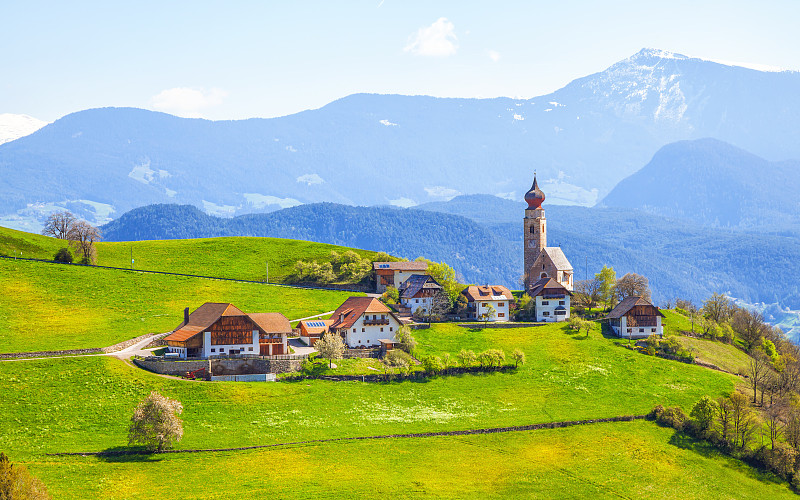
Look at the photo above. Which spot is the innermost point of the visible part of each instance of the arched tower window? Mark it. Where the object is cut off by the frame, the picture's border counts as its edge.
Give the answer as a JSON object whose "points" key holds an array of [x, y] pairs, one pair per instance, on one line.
{"points": [[533, 230], [544, 275]]}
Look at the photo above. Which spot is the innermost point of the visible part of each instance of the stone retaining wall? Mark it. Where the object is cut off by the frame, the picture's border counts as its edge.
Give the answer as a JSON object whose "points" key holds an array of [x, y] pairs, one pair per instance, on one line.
{"points": [[361, 353], [43, 354], [124, 345], [236, 366], [501, 325]]}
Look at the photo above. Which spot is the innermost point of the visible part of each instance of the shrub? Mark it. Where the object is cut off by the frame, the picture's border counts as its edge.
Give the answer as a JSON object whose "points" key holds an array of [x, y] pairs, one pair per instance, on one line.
{"points": [[673, 417], [432, 364], [155, 423], [391, 295], [466, 358], [703, 412], [656, 412], [575, 323], [17, 483], [63, 255], [405, 340]]}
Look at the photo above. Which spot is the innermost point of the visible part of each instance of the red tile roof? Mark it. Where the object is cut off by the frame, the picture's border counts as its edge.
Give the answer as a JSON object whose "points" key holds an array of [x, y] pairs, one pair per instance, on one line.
{"points": [[272, 322], [210, 312], [352, 309], [546, 286], [494, 292]]}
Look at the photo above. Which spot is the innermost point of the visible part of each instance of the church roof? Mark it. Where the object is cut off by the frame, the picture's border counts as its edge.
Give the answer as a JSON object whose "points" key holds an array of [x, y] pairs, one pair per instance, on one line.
{"points": [[548, 286], [534, 196], [558, 258]]}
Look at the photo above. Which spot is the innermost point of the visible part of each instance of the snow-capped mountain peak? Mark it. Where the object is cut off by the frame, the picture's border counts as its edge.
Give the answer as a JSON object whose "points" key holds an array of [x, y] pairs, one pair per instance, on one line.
{"points": [[15, 126]]}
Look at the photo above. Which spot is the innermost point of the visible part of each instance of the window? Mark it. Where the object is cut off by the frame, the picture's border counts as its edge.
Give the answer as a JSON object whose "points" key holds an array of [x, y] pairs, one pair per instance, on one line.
{"points": [[359, 341], [383, 316], [544, 275], [363, 330], [533, 230], [545, 302], [652, 329], [561, 302], [381, 328], [483, 304], [641, 330], [390, 329], [367, 341], [354, 330], [501, 315], [542, 269], [546, 313], [416, 301], [222, 350], [213, 350], [249, 348], [501, 304]]}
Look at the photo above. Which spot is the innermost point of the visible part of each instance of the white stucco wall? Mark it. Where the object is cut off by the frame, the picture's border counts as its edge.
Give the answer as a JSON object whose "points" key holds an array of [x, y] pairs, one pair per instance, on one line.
{"points": [[501, 312], [413, 304], [638, 331], [546, 309], [360, 334]]}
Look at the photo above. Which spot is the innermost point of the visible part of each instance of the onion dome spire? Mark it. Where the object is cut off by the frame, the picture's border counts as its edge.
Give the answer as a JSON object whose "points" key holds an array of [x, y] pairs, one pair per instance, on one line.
{"points": [[535, 196]]}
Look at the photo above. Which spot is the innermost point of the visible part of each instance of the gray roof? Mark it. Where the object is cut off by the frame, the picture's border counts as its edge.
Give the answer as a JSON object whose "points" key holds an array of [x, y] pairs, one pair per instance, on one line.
{"points": [[627, 304], [548, 286], [417, 282], [558, 258]]}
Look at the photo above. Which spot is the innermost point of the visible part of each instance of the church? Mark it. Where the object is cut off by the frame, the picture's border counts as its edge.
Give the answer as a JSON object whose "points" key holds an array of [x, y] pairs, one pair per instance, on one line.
{"points": [[541, 261]]}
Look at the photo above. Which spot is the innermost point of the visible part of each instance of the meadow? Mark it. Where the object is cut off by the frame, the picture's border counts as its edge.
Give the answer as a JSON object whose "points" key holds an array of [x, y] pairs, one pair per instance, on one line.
{"points": [[84, 404], [56, 306]]}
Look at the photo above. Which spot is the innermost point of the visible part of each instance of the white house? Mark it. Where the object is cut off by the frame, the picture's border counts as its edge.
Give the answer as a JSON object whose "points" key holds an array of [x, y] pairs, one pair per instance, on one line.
{"points": [[395, 273], [417, 293], [364, 322], [634, 318], [551, 300], [479, 298]]}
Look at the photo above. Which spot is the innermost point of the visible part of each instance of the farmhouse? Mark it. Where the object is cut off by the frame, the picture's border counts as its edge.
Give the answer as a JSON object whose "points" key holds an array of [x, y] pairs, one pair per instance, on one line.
{"points": [[479, 298], [221, 329], [542, 261], [395, 273], [635, 317], [364, 322], [417, 293], [551, 300], [311, 330]]}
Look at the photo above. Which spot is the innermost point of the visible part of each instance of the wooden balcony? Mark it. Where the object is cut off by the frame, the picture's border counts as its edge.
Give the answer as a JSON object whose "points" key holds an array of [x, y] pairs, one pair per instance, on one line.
{"points": [[368, 322]]}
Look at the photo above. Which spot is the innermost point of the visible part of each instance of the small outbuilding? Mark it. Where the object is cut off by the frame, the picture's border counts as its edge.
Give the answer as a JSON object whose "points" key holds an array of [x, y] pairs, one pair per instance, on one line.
{"points": [[635, 318], [312, 330]]}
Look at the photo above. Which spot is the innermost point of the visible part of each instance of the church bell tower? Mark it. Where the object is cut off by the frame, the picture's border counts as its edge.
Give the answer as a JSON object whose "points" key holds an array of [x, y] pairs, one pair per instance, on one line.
{"points": [[535, 229]]}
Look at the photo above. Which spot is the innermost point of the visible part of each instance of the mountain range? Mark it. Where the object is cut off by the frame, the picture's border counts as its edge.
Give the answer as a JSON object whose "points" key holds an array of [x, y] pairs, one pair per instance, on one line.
{"points": [[13, 126], [363, 149]]}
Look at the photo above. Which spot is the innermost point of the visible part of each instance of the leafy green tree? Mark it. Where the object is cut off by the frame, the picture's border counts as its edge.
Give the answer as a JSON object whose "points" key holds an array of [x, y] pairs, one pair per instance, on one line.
{"points": [[703, 412], [16, 483], [447, 362], [391, 295], [489, 313], [432, 364], [445, 276], [632, 284], [63, 255], [155, 423], [405, 340], [607, 279], [330, 346], [718, 308]]}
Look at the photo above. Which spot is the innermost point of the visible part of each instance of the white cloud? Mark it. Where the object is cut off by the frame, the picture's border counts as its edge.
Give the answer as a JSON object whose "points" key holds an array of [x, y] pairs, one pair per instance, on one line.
{"points": [[442, 192], [388, 123], [187, 102], [403, 202], [518, 117], [511, 195], [310, 179], [437, 40], [493, 55]]}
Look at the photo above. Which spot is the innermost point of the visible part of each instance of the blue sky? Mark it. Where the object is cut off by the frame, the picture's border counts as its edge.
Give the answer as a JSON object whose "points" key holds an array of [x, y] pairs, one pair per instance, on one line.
{"points": [[233, 60]]}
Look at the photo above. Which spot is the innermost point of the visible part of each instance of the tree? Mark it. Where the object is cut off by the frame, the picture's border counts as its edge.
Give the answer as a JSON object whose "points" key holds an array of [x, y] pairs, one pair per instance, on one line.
{"points": [[519, 358], [460, 304], [432, 364], [83, 236], [703, 412], [775, 420], [757, 370], [740, 417], [405, 340], [445, 276], [447, 362], [750, 327], [587, 293], [791, 430], [488, 314], [708, 327], [724, 416], [63, 255], [330, 346], [16, 483], [466, 358], [59, 224], [717, 308], [632, 285], [440, 304], [607, 279], [391, 295], [586, 325], [155, 423]]}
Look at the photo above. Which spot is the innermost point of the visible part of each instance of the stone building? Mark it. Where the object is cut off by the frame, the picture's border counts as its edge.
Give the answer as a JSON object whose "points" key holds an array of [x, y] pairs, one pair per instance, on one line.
{"points": [[540, 260]]}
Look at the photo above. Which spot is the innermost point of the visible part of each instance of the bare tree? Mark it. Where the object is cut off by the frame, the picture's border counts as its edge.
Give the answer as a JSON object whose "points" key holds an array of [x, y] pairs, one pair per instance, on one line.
{"points": [[724, 411], [791, 430], [59, 224], [633, 285], [155, 423], [17, 483], [587, 293], [775, 419], [718, 308], [750, 327], [757, 371], [440, 304], [739, 415], [83, 236]]}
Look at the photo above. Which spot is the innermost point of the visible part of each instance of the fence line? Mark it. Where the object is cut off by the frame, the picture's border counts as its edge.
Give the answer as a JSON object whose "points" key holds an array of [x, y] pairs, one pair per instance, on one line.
{"points": [[304, 287], [492, 430]]}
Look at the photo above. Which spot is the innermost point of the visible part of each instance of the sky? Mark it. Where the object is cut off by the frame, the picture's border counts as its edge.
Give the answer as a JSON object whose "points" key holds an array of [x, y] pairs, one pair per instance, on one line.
{"points": [[236, 60]]}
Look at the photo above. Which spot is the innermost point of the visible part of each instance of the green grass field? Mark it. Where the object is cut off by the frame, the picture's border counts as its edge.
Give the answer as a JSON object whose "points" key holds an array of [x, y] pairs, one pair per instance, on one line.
{"points": [[238, 258], [54, 306], [83, 404]]}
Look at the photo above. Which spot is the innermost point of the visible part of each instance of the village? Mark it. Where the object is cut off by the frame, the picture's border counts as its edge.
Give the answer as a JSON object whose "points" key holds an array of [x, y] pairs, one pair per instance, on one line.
{"points": [[405, 294]]}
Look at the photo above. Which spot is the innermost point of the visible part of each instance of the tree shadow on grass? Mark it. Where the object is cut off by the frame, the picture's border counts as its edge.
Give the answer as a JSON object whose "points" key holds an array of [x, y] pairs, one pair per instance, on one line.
{"points": [[707, 450], [129, 454]]}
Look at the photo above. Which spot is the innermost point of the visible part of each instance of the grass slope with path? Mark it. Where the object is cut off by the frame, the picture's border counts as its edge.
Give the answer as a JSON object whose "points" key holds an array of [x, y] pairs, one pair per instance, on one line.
{"points": [[55, 306], [84, 404]]}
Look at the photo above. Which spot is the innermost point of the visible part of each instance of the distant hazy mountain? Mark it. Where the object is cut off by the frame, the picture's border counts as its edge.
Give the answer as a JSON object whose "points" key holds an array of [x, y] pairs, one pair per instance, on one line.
{"points": [[388, 149], [680, 259], [15, 126], [716, 184]]}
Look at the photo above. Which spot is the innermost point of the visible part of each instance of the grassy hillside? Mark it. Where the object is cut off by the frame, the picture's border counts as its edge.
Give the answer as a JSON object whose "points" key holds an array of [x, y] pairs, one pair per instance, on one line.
{"points": [[84, 404], [234, 257], [54, 306]]}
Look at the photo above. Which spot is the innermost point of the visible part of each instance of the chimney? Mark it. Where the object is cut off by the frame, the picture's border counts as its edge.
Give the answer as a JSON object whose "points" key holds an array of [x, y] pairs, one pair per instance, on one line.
{"points": [[186, 316]]}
